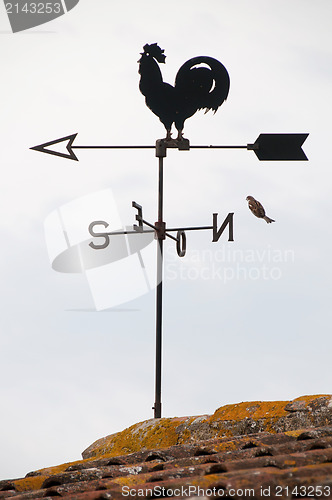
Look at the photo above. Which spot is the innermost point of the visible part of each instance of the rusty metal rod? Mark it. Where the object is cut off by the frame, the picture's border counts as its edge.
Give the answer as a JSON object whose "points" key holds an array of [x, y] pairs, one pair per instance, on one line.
{"points": [[159, 297]]}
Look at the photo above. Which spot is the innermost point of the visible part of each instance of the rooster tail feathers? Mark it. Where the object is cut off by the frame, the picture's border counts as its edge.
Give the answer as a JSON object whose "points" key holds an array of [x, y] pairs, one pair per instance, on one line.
{"points": [[212, 109], [215, 77]]}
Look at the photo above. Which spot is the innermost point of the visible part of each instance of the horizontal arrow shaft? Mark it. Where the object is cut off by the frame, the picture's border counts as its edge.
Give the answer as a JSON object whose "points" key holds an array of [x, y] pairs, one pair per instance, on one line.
{"points": [[189, 228], [153, 230], [154, 147], [113, 147], [248, 146], [266, 147], [114, 233]]}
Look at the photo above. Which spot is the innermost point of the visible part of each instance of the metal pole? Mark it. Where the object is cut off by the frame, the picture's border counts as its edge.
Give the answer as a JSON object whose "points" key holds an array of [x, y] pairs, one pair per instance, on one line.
{"points": [[159, 295]]}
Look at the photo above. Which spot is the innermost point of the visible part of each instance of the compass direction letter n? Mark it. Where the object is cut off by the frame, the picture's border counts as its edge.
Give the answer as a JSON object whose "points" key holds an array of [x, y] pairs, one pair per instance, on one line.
{"points": [[227, 222]]}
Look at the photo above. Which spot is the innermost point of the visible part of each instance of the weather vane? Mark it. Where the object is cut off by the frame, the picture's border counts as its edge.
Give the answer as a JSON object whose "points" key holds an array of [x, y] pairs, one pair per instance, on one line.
{"points": [[201, 83]]}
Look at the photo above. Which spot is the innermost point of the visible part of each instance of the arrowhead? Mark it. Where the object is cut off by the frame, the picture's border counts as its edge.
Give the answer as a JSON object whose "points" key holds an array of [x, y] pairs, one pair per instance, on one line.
{"points": [[69, 138], [280, 147]]}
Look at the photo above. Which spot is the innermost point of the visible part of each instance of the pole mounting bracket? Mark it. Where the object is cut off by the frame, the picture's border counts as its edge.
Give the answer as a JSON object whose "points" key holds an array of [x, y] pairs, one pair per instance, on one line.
{"points": [[160, 230], [163, 144]]}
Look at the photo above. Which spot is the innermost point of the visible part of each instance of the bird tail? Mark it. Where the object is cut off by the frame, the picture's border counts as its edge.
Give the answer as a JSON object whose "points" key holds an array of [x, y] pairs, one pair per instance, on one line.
{"points": [[268, 220]]}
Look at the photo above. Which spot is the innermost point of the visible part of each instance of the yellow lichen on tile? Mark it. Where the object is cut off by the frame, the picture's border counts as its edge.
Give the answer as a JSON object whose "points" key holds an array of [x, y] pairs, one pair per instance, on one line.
{"points": [[29, 483], [311, 399], [295, 433], [58, 469], [184, 437], [130, 480], [205, 481], [259, 416], [255, 410], [160, 435], [227, 446], [290, 463], [223, 432]]}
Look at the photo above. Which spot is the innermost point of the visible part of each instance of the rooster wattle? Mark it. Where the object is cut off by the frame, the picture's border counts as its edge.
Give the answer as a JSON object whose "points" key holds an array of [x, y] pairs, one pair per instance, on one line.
{"points": [[196, 87]]}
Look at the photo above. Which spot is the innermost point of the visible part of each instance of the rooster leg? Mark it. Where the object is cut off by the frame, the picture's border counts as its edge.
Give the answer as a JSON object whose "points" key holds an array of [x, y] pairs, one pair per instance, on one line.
{"points": [[180, 135], [168, 135]]}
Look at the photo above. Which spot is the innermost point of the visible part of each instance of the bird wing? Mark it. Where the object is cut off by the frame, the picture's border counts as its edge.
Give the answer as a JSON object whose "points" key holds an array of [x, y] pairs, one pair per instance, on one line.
{"points": [[257, 208]]}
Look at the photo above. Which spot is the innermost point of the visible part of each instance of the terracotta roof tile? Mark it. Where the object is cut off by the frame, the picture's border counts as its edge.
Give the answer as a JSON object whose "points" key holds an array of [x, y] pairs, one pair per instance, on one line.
{"points": [[289, 464]]}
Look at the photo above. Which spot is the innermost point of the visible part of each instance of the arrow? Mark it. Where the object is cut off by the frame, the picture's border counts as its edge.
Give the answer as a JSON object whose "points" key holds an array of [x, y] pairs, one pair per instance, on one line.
{"points": [[69, 138], [279, 147], [266, 147], [43, 148]]}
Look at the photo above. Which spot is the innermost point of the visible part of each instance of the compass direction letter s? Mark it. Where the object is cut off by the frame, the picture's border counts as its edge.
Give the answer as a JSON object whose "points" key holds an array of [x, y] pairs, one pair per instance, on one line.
{"points": [[99, 235]]}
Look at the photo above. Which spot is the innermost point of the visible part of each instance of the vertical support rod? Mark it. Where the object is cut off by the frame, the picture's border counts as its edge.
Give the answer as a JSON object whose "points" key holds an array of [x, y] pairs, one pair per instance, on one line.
{"points": [[159, 295]]}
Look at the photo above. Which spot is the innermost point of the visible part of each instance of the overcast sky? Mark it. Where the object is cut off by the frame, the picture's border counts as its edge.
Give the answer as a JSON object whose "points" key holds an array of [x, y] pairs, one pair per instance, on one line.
{"points": [[244, 320]]}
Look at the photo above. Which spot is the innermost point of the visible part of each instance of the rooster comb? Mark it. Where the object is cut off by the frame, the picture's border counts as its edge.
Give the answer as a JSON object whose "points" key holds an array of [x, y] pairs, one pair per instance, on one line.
{"points": [[155, 51]]}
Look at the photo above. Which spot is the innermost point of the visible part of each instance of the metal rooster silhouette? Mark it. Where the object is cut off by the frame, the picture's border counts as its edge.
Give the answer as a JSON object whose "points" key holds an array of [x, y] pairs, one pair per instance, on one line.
{"points": [[196, 87]]}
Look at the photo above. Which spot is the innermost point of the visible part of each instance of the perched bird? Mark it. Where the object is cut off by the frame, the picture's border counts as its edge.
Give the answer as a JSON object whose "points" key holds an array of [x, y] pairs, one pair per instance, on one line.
{"points": [[201, 82], [258, 209]]}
